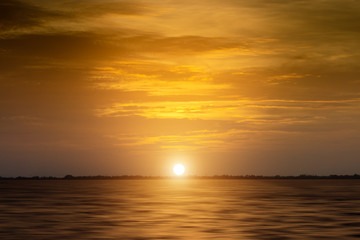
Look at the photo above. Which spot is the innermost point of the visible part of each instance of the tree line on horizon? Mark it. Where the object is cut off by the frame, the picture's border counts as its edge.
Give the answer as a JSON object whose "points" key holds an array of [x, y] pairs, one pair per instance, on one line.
{"points": [[225, 176]]}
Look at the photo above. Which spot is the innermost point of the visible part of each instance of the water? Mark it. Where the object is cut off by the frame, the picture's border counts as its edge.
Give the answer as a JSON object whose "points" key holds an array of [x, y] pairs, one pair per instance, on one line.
{"points": [[180, 209]]}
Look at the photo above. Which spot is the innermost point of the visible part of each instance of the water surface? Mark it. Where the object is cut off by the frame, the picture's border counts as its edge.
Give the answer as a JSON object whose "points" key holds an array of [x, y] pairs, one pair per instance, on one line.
{"points": [[180, 209]]}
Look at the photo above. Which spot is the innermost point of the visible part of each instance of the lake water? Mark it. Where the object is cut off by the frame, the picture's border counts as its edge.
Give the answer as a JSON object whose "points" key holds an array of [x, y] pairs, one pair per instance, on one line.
{"points": [[180, 209]]}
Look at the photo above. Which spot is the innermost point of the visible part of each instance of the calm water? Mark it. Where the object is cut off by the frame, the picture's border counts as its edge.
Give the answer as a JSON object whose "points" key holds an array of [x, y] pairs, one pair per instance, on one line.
{"points": [[180, 209]]}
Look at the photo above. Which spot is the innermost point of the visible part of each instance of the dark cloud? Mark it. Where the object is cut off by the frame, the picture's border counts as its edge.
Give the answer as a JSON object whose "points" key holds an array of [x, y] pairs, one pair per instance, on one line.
{"points": [[57, 46], [188, 44], [19, 15], [97, 47], [94, 8]]}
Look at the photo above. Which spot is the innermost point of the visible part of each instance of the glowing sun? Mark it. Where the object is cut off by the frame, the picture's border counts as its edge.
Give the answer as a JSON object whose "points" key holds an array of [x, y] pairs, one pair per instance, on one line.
{"points": [[179, 169]]}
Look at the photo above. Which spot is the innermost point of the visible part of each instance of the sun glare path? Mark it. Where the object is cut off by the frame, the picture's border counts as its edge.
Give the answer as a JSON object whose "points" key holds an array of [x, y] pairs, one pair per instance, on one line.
{"points": [[179, 169]]}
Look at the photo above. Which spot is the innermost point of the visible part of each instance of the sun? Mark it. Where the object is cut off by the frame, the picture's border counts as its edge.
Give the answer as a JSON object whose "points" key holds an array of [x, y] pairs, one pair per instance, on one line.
{"points": [[179, 169]]}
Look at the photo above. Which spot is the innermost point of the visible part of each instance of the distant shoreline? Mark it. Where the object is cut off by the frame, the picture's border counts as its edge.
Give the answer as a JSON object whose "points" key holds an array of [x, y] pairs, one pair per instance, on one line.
{"points": [[139, 177]]}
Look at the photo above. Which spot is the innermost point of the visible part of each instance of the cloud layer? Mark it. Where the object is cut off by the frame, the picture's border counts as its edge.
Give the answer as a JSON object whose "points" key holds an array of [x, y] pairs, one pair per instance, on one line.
{"points": [[264, 87]]}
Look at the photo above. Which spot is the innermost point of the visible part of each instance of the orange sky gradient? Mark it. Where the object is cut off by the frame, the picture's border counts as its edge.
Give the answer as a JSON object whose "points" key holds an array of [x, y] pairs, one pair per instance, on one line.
{"points": [[117, 87]]}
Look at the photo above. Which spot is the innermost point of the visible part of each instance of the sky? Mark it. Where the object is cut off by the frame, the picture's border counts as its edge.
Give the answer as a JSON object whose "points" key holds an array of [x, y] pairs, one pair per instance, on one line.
{"points": [[114, 87]]}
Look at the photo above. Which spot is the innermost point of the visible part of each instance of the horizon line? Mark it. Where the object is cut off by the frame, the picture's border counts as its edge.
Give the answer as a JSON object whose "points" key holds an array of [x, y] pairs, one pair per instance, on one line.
{"points": [[224, 176]]}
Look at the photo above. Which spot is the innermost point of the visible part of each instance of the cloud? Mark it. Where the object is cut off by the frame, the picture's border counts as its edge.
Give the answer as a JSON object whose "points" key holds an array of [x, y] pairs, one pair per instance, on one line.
{"points": [[322, 16], [260, 115], [98, 8], [20, 15], [153, 78], [57, 46], [189, 141]]}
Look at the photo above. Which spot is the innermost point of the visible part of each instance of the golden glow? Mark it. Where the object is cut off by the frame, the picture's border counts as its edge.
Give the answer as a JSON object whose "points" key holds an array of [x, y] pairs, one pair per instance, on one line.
{"points": [[143, 80], [179, 169]]}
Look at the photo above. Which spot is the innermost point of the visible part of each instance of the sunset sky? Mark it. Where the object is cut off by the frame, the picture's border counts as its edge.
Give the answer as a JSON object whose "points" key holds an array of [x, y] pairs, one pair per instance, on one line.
{"points": [[117, 87]]}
